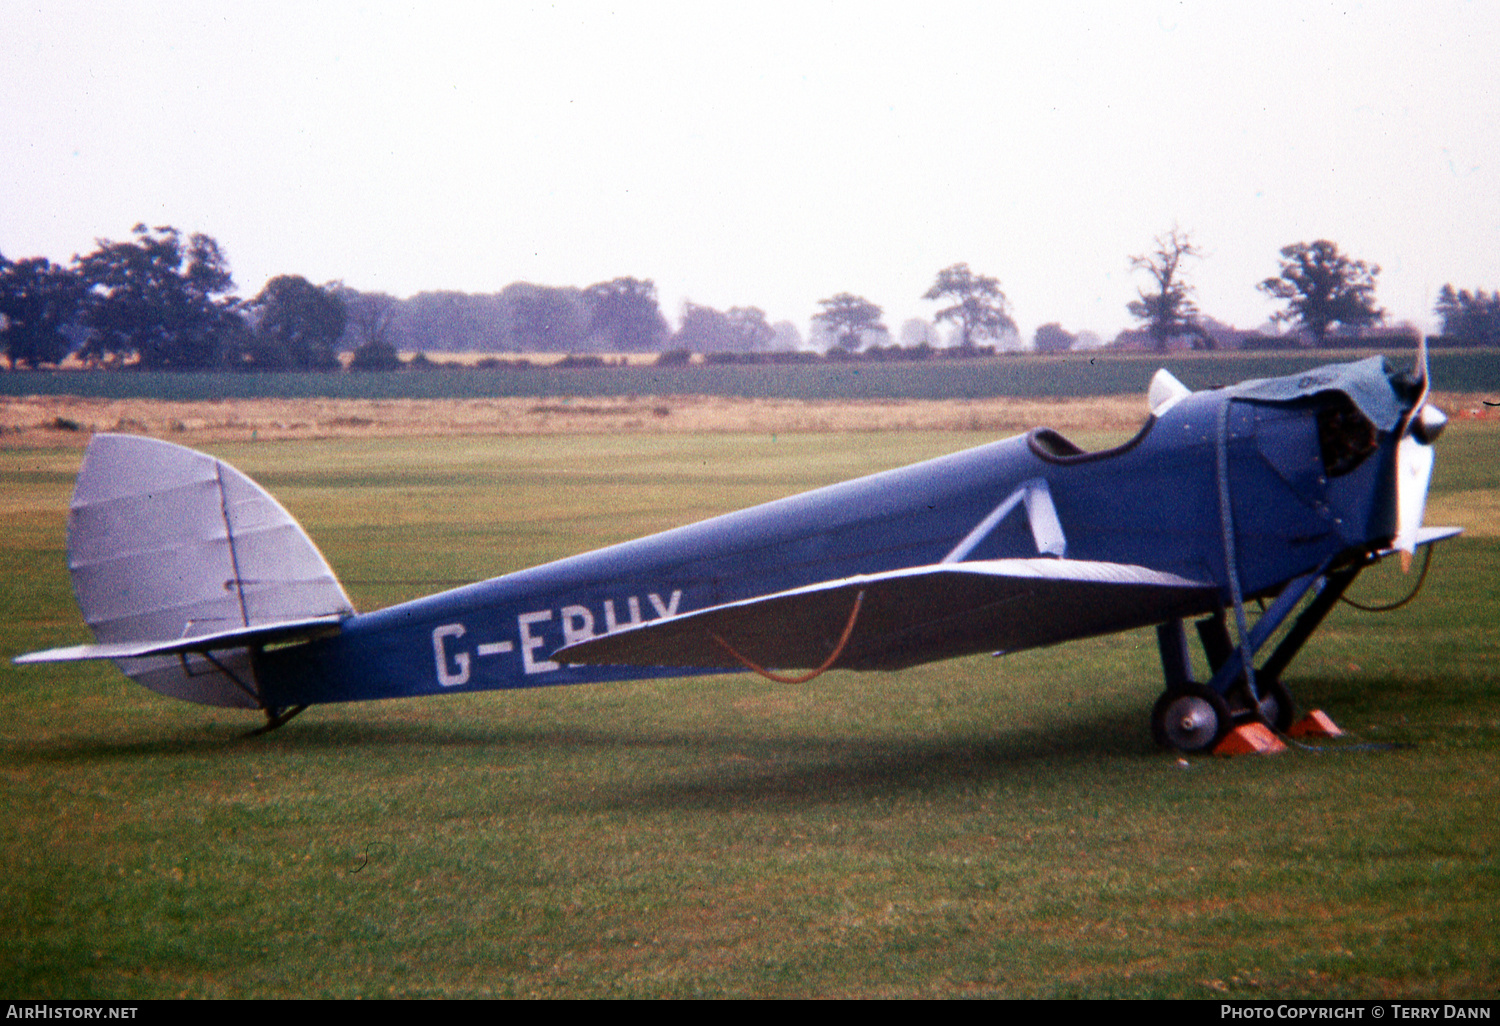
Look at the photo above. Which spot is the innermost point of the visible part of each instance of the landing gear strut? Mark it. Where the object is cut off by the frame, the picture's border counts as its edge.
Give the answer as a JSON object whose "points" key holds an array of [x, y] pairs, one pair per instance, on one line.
{"points": [[1192, 716], [276, 718]]}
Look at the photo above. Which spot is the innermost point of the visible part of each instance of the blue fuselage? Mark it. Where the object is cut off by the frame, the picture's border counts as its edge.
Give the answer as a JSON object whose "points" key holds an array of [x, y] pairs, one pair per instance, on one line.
{"points": [[1153, 502]]}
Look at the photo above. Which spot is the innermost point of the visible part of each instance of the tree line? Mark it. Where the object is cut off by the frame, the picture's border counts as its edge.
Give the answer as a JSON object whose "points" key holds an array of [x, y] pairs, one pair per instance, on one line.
{"points": [[1469, 318], [1322, 288], [162, 301]]}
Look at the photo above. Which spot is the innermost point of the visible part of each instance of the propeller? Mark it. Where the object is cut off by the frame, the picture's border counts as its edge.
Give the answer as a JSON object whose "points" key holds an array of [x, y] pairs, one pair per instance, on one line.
{"points": [[1419, 429]]}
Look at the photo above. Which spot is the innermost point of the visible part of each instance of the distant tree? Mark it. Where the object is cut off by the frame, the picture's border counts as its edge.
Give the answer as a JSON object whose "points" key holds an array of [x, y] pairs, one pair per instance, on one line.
{"points": [[1051, 338], [1323, 287], [158, 299], [743, 329], [371, 315], [369, 332], [979, 307], [752, 332], [705, 330], [1470, 318], [1450, 307], [624, 311], [547, 319], [296, 325], [38, 300], [454, 321], [1168, 309], [849, 318]]}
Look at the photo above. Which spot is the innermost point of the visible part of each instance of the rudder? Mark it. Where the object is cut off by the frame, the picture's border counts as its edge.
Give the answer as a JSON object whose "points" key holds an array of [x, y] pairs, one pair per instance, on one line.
{"points": [[165, 542]]}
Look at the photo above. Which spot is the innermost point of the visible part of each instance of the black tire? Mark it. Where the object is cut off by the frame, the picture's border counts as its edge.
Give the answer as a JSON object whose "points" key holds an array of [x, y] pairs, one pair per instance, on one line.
{"points": [[1194, 719], [1275, 708]]}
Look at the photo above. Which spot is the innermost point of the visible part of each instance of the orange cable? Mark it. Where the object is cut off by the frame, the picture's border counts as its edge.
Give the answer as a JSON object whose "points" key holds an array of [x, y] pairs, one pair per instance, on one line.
{"points": [[778, 678]]}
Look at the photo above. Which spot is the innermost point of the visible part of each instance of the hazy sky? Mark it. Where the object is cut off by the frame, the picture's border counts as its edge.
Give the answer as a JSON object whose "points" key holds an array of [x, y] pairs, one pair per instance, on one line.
{"points": [[764, 153]]}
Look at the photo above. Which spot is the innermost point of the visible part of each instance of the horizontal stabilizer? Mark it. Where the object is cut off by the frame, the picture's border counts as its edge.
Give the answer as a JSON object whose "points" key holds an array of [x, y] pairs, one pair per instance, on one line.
{"points": [[909, 616], [1426, 536], [242, 637]]}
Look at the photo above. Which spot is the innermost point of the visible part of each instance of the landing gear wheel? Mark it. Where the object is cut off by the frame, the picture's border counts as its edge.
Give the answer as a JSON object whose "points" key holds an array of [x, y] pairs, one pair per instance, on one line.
{"points": [[1191, 720], [1275, 708]]}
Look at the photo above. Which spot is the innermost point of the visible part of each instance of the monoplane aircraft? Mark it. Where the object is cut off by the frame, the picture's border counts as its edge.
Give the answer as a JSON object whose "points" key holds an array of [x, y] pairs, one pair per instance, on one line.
{"points": [[199, 585]]}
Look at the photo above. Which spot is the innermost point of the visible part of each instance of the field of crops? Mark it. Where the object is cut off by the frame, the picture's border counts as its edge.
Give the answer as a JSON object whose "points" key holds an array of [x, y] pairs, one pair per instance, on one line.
{"points": [[1071, 375], [978, 827]]}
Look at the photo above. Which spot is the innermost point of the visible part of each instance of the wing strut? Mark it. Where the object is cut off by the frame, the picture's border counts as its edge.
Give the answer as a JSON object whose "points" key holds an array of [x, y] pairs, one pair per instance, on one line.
{"points": [[838, 650], [1046, 530]]}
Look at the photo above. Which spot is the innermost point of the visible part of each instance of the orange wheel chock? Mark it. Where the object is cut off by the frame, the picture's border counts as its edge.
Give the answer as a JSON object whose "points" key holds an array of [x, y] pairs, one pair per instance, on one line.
{"points": [[1250, 739], [1315, 724]]}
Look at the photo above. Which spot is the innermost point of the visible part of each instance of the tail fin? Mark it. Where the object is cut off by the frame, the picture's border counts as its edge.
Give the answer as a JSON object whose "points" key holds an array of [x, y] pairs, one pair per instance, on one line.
{"points": [[165, 543]]}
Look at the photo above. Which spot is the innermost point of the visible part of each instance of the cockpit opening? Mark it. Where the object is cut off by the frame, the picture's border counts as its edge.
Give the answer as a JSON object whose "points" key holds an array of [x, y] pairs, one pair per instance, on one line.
{"points": [[1053, 447]]}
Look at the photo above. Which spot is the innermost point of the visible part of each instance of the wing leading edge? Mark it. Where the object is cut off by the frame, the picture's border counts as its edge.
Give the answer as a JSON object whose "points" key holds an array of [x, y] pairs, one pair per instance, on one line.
{"points": [[909, 616]]}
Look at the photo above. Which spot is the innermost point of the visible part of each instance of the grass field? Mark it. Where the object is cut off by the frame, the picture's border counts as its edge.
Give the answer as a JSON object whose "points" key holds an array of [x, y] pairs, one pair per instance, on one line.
{"points": [[972, 828]]}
